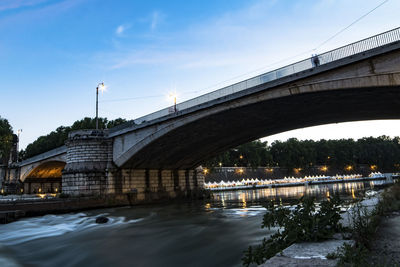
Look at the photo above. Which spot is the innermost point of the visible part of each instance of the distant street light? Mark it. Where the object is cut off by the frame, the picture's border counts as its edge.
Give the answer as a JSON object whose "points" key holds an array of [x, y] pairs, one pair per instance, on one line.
{"points": [[349, 167], [102, 88]]}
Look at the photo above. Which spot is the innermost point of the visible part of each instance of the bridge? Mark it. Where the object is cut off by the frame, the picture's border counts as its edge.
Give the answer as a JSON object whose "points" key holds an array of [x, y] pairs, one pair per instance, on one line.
{"points": [[160, 153]]}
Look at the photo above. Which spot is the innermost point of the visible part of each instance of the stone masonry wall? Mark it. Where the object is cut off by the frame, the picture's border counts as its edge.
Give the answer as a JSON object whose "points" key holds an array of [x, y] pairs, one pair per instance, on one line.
{"points": [[89, 170], [87, 161], [134, 181]]}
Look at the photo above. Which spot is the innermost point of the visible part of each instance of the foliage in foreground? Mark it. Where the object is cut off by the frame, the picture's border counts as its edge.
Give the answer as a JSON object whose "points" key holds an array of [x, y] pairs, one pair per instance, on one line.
{"points": [[364, 224], [303, 223]]}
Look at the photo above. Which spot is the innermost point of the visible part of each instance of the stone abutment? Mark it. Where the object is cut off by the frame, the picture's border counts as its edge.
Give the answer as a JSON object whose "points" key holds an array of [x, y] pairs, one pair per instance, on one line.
{"points": [[90, 170]]}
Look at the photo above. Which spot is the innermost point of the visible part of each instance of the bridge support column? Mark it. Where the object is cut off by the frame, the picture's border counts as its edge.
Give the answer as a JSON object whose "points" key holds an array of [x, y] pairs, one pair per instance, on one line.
{"points": [[156, 184], [87, 160], [89, 170]]}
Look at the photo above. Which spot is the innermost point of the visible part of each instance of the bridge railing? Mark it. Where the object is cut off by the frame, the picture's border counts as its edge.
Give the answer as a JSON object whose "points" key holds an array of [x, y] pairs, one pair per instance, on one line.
{"points": [[327, 57]]}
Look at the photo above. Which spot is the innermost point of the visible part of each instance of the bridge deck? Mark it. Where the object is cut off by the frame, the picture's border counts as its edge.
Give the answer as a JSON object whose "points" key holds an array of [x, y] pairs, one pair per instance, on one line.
{"points": [[297, 70], [43, 156]]}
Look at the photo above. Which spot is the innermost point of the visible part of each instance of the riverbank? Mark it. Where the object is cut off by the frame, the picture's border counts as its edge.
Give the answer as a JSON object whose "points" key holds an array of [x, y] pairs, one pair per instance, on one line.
{"points": [[386, 246], [316, 253], [364, 220]]}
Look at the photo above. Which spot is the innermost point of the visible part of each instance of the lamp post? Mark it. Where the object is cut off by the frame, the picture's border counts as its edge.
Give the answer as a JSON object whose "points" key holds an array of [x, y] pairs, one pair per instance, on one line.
{"points": [[173, 96], [175, 103], [18, 133], [101, 87]]}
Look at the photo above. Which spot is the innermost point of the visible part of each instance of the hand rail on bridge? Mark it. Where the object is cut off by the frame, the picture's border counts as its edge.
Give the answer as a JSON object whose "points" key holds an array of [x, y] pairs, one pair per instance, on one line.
{"points": [[309, 63]]}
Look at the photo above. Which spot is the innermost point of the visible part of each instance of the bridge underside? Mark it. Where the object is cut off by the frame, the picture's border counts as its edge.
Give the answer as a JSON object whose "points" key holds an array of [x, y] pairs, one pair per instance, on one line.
{"points": [[45, 178], [187, 146]]}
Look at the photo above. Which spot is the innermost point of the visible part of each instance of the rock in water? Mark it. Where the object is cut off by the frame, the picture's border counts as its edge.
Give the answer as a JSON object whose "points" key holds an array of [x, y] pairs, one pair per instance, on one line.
{"points": [[101, 219]]}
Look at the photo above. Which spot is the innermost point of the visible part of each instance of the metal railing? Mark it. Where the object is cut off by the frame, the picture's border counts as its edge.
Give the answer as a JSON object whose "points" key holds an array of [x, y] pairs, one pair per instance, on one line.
{"points": [[327, 57]]}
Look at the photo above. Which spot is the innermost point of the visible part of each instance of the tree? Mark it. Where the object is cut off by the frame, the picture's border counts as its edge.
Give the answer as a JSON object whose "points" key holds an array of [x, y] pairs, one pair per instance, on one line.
{"points": [[383, 151], [6, 140], [58, 137]]}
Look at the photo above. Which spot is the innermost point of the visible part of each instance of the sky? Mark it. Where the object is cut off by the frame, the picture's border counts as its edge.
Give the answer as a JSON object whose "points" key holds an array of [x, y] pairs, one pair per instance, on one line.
{"points": [[53, 54]]}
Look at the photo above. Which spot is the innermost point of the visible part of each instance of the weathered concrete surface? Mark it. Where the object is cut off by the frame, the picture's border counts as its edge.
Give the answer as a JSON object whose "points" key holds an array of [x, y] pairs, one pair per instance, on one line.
{"points": [[281, 261], [313, 250], [386, 247], [307, 254]]}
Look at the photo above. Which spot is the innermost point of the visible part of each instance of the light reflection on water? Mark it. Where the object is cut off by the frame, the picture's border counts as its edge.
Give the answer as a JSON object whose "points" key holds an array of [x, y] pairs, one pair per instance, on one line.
{"points": [[244, 197]]}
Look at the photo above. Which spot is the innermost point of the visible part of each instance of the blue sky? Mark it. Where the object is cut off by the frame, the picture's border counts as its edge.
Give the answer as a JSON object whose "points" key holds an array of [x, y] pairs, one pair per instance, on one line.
{"points": [[53, 53]]}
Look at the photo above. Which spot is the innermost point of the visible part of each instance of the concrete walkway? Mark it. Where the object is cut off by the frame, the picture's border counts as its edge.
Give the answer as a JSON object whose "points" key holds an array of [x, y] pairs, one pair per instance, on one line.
{"points": [[307, 254], [385, 250]]}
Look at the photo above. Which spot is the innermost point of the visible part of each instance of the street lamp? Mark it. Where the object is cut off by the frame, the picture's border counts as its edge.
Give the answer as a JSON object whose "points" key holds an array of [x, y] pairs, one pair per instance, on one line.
{"points": [[102, 88], [349, 167], [18, 133], [173, 96]]}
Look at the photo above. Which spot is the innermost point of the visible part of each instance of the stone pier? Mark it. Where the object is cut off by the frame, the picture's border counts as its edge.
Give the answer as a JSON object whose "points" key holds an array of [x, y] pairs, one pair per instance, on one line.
{"points": [[90, 170]]}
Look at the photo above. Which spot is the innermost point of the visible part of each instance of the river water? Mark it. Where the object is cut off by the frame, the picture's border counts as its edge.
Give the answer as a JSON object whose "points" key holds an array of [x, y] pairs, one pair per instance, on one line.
{"points": [[204, 233]]}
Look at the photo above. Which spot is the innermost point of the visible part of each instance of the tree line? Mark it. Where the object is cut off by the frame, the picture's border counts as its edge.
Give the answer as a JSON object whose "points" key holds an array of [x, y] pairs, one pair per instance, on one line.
{"points": [[58, 137], [382, 152]]}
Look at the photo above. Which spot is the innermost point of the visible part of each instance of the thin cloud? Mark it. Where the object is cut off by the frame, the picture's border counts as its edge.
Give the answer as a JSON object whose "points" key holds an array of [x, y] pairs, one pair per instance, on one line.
{"points": [[243, 38], [42, 12], [207, 36], [156, 19], [14, 4], [121, 29]]}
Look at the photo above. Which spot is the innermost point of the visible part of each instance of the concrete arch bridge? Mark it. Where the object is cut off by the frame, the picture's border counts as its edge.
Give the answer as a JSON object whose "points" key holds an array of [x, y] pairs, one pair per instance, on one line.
{"points": [[160, 152]]}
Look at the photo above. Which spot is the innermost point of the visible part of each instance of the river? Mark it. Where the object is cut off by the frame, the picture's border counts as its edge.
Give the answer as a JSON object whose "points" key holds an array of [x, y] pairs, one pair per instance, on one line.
{"points": [[203, 233]]}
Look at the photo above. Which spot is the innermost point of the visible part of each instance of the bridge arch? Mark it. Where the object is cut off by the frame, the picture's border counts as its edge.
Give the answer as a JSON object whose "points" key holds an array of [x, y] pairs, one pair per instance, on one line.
{"points": [[366, 89], [45, 177]]}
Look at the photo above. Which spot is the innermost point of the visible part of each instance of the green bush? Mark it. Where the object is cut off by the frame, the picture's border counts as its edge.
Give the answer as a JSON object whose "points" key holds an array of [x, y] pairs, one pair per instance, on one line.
{"points": [[304, 223]]}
